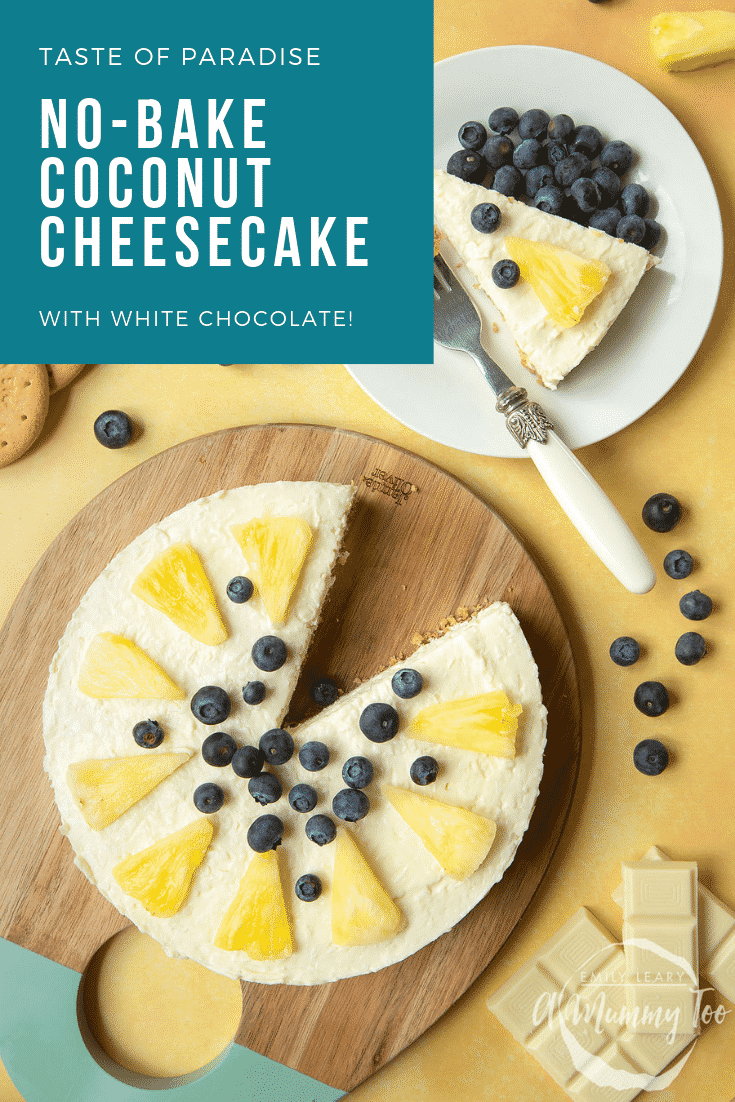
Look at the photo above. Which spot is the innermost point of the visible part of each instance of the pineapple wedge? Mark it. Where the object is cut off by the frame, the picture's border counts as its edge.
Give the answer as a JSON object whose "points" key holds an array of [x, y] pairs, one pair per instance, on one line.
{"points": [[362, 911], [256, 920], [104, 788], [486, 724], [114, 667], [175, 584], [564, 283], [276, 550], [160, 876], [460, 840], [683, 40]]}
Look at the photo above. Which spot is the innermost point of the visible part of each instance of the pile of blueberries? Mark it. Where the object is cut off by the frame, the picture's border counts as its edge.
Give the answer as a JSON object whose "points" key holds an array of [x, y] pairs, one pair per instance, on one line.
{"points": [[211, 705], [559, 167], [661, 513]]}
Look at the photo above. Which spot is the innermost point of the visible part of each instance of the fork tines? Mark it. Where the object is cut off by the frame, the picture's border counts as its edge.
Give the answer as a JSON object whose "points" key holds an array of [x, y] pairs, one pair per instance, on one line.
{"points": [[443, 277]]}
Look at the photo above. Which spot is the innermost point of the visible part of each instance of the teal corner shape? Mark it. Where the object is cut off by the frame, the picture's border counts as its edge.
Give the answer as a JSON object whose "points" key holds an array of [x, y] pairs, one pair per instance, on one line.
{"points": [[44, 1054]]}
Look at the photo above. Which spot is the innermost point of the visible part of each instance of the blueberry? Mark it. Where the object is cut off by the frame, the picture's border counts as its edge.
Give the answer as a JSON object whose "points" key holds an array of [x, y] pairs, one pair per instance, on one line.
{"points": [[652, 235], [324, 691], [314, 756], [485, 217], [634, 199], [571, 211], [624, 651], [253, 692], [113, 429], [357, 772], [533, 124], [265, 788], [616, 155], [609, 184], [277, 745], [650, 757], [587, 140], [219, 749], [678, 564], [550, 199], [571, 168], [503, 120], [269, 653], [605, 220], [528, 154], [302, 797], [239, 589], [320, 829], [661, 512], [560, 127], [208, 798], [148, 733], [350, 805], [407, 683], [265, 833], [508, 181], [555, 152], [690, 647], [498, 151], [472, 135], [586, 194], [538, 177], [379, 722], [308, 887], [248, 761], [695, 605], [211, 705], [651, 698], [506, 274], [424, 770], [468, 165]]}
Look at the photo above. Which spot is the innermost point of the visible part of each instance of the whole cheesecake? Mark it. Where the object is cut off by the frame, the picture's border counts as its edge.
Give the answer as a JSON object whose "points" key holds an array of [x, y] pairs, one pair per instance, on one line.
{"points": [[130, 703], [546, 348]]}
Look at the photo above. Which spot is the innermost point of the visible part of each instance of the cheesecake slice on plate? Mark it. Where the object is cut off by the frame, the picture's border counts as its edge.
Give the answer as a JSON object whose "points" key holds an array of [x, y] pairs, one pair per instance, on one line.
{"points": [[574, 282]]}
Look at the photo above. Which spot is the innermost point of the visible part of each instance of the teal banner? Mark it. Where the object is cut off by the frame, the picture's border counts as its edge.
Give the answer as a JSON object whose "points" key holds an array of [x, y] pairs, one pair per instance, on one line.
{"points": [[217, 182]]}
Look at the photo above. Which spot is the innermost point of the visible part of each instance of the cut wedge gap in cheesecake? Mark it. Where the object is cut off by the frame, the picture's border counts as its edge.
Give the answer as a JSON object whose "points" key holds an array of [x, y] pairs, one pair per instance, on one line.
{"points": [[579, 271]]}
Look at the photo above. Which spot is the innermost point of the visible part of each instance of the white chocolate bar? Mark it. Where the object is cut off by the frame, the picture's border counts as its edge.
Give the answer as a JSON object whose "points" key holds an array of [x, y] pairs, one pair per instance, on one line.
{"points": [[660, 939], [567, 1006], [716, 935]]}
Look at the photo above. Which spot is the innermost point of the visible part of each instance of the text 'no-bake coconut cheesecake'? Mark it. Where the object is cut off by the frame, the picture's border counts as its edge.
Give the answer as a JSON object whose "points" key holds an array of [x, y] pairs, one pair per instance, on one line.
{"points": [[298, 856], [574, 279]]}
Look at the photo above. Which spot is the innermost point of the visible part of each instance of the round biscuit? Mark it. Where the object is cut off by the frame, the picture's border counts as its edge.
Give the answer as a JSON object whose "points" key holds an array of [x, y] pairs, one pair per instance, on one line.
{"points": [[61, 374], [24, 391]]}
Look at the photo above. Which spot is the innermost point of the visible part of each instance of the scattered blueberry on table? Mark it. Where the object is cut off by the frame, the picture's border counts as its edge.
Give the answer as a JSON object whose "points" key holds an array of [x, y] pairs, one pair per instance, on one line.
{"points": [[678, 564], [661, 513], [113, 429], [650, 757], [651, 698], [625, 650], [695, 605], [690, 647], [324, 691]]}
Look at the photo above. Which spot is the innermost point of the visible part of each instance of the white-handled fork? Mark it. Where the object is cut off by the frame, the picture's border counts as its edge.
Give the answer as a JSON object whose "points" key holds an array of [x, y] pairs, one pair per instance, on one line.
{"points": [[457, 325]]}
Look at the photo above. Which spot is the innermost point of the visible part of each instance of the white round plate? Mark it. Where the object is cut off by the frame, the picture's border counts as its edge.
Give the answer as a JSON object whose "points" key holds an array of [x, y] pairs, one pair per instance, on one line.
{"points": [[653, 340]]}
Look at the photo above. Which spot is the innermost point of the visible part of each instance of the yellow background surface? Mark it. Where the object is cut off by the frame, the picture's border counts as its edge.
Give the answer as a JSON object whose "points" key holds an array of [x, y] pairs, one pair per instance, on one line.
{"points": [[683, 446]]}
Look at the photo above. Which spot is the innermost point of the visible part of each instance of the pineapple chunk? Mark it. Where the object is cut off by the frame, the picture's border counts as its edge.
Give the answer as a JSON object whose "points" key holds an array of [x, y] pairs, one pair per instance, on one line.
{"points": [[175, 584], [276, 550], [114, 667], [362, 910], [160, 876], [460, 840], [564, 283], [691, 39], [486, 724], [106, 787], [256, 920]]}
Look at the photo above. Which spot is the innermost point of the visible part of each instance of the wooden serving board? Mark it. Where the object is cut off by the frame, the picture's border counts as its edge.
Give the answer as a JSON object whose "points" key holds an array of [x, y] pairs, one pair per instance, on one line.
{"points": [[421, 546]]}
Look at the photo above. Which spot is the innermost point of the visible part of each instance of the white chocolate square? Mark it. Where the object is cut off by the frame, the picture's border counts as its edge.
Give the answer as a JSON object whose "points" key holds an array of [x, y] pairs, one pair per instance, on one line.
{"points": [[656, 888]]}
